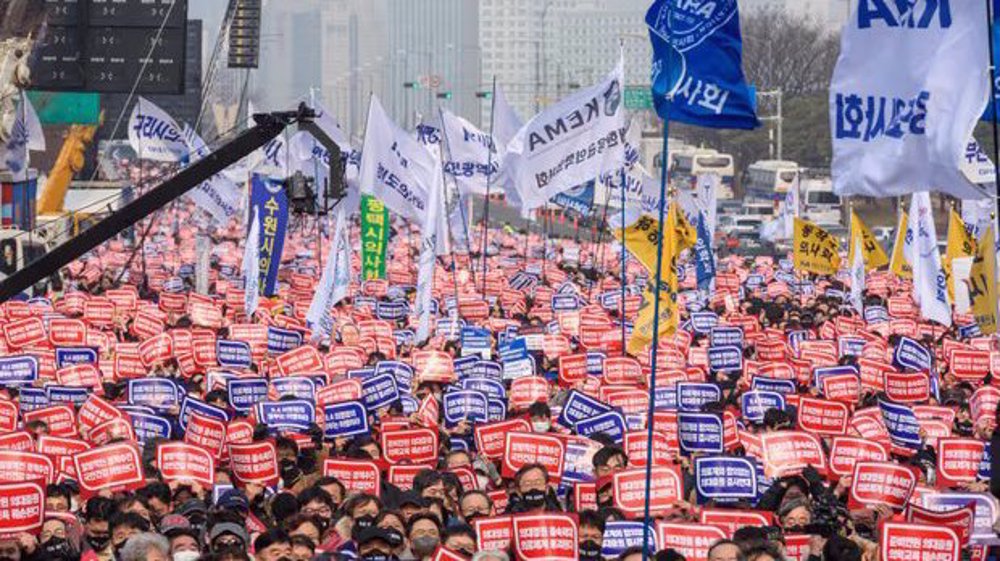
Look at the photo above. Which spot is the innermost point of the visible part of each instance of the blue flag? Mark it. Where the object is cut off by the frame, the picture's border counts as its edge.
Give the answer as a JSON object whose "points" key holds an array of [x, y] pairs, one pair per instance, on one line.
{"points": [[270, 202], [989, 114], [698, 61], [704, 259]]}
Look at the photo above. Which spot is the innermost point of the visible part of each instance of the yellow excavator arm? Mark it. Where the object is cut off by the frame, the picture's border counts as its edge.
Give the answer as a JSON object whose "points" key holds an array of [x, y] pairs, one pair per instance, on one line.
{"points": [[69, 162]]}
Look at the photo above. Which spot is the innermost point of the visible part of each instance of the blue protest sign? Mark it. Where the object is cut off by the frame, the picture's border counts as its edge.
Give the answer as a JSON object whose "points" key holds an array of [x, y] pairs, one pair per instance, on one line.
{"points": [[244, 393], [269, 201], [465, 405], [379, 391], [725, 478], [402, 372], [298, 386], [821, 372], [796, 337], [348, 418], [519, 368], [726, 336], [753, 281], [691, 396], [491, 388], [902, 424], [294, 414], [620, 535], [754, 404], [464, 366], [595, 363], [850, 346], [32, 398], [703, 322], [450, 328], [233, 354], [580, 406], [410, 404], [876, 314], [404, 336], [68, 356], [148, 427], [487, 369], [911, 355], [57, 395], [699, 432], [497, 409], [985, 469], [361, 373], [392, 311], [282, 340], [665, 398], [610, 423], [969, 331], [19, 369], [192, 405], [476, 340], [772, 385], [158, 393], [514, 349], [565, 302], [725, 358]]}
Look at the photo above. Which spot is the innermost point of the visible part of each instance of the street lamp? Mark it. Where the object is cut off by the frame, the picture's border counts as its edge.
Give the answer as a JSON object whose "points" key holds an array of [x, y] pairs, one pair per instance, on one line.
{"points": [[776, 118]]}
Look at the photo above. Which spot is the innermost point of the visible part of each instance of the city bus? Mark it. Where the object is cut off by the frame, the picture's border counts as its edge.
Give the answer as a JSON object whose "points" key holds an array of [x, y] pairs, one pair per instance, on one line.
{"points": [[690, 164], [770, 180]]}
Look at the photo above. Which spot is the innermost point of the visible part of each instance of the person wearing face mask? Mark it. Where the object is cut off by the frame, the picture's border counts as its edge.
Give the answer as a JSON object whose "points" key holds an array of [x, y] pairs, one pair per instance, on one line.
{"points": [[460, 538], [540, 416], [531, 491], [145, 546], [54, 541], [591, 535], [184, 540], [373, 545], [424, 534], [97, 534], [475, 504], [123, 526], [392, 523], [272, 545]]}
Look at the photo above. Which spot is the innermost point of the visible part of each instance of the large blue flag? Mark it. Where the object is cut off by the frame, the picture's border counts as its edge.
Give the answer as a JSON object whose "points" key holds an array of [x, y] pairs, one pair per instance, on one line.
{"points": [[698, 61], [269, 202], [989, 114]]}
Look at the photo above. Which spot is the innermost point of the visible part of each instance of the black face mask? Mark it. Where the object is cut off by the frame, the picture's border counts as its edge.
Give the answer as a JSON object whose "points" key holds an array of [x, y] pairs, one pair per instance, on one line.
{"points": [[60, 549], [590, 550], [289, 472], [378, 556], [534, 498], [98, 543], [362, 523], [394, 535], [307, 463]]}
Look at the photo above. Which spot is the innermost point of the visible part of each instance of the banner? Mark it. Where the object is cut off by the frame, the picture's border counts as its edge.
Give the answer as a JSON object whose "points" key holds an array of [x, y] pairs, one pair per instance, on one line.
{"points": [[816, 251], [874, 255], [25, 134], [270, 204], [545, 537], [395, 167], [335, 280], [725, 478], [899, 264], [570, 142], [251, 266], [109, 467], [920, 249], [219, 196], [961, 243], [881, 483], [901, 110], [429, 238], [154, 135], [374, 237], [983, 284], [899, 541], [177, 461], [22, 508], [697, 72], [472, 156]]}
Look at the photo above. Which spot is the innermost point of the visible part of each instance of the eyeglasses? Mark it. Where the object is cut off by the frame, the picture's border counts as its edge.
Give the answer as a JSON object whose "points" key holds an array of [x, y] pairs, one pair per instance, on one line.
{"points": [[324, 511]]}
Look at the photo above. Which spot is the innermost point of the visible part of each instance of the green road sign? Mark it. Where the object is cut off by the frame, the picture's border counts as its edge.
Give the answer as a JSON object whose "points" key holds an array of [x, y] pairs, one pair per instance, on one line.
{"points": [[66, 108], [638, 97]]}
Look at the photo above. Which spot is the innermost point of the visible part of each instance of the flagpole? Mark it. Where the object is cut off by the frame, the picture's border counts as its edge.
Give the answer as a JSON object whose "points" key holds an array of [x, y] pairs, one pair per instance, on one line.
{"points": [[489, 170], [446, 146], [622, 317], [599, 249], [993, 101], [656, 329]]}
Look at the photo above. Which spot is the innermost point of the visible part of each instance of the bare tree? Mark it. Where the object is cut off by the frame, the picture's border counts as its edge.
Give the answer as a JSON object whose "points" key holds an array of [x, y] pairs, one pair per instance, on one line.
{"points": [[784, 52]]}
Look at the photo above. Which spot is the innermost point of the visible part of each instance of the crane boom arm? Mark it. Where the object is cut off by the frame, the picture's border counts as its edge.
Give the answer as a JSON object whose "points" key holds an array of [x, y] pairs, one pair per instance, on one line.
{"points": [[268, 127]]}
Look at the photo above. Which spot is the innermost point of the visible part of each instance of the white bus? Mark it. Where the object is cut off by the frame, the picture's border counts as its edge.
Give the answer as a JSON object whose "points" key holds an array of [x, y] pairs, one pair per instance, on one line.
{"points": [[689, 165], [820, 204], [770, 180]]}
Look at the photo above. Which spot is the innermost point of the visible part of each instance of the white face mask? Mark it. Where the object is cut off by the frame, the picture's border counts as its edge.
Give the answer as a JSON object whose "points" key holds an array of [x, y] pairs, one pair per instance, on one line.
{"points": [[541, 426], [186, 556]]}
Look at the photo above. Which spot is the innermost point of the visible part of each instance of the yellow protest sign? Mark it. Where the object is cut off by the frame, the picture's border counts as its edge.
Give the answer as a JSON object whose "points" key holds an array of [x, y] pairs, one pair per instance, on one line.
{"points": [[816, 251]]}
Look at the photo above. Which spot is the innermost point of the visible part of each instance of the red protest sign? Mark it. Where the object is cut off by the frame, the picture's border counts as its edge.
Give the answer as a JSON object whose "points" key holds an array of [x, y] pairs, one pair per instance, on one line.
{"points": [[22, 508], [23, 332], [339, 392], [66, 332], [876, 483], [491, 437], [729, 520], [178, 461], [572, 369], [256, 462], [20, 441], [494, 534], [820, 416], [113, 429], [410, 446], [402, 476], [907, 387], [788, 452], [299, 360], [156, 350], [549, 537], [636, 445], [958, 460], [528, 390], [19, 466], [433, 366], [522, 448], [962, 520], [206, 433], [848, 450], [842, 387], [690, 540], [622, 370], [629, 488], [357, 476], [113, 466], [969, 364], [60, 419], [95, 411], [55, 446], [900, 541]]}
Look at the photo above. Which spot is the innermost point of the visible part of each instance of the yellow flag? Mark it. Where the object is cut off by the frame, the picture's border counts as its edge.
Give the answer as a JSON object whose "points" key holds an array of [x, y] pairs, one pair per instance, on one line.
{"points": [[642, 333], [816, 251], [961, 243], [983, 284], [874, 255], [899, 266]]}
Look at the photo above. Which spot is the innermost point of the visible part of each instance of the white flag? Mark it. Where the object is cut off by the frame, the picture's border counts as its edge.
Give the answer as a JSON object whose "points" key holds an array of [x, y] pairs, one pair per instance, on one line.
{"points": [[858, 277], [782, 227], [395, 167], [334, 282], [25, 134], [425, 272], [219, 196], [921, 251], [570, 143], [251, 267], [154, 135], [505, 125], [472, 157], [350, 156], [910, 85]]}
